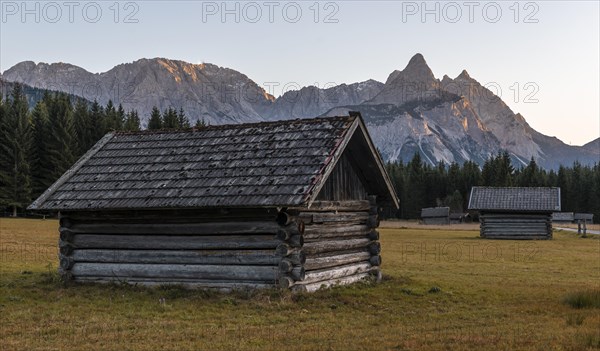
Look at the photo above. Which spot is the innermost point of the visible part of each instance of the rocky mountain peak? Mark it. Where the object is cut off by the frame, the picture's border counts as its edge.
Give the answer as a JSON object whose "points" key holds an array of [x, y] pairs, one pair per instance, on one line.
{"points": [[464, 75]]}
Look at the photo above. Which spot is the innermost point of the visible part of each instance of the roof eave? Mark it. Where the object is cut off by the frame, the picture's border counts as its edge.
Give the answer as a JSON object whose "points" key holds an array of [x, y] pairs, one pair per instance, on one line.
{"points": [[39, 202]]}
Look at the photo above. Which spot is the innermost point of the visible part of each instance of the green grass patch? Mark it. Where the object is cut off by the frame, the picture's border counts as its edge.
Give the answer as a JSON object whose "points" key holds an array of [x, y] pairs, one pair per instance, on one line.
{"points": [[583, 299]]}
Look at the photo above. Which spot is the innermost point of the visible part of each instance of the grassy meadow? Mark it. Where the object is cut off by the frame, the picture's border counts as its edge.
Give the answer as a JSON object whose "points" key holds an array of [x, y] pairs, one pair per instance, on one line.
{"points": [[442, 290]]}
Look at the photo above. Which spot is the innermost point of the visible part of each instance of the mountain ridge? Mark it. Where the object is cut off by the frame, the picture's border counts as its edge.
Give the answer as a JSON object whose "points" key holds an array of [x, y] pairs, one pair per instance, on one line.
{"points": [[450, 120]]}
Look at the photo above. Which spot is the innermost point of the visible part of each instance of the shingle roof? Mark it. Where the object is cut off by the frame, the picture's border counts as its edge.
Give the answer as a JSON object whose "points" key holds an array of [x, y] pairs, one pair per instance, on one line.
{"points": [[435, 212], [515, 199], [246, 165]]}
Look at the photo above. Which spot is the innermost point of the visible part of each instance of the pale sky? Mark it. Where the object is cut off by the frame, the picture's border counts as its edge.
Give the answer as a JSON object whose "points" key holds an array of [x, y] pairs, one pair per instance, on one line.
{"points": [[542, 57]]}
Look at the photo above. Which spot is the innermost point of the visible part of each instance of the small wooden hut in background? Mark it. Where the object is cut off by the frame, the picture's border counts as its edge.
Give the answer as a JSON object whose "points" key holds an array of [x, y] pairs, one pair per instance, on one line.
{"points": [[515, 213], [289, 203], [563, 217], [435, 215]]}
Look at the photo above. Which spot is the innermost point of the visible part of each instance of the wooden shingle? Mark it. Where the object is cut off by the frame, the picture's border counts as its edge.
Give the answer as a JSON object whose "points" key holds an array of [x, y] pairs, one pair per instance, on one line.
{"points": [[269, 164], [515, 199]]}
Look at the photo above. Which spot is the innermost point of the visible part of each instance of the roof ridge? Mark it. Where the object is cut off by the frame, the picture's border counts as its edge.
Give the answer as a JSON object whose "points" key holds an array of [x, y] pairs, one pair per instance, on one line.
{"points": [[238, 125]]}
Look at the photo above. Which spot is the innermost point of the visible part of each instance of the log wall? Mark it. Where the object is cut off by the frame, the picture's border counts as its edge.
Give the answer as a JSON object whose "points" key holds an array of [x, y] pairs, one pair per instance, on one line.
{"points": [[332, 242], [340, 245], [522, 226], [212, 249]]}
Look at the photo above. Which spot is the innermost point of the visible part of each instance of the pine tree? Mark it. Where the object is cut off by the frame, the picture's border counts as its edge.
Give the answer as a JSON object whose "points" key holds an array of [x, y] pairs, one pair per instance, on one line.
{"points": [[200, 123], [62, 144], [132, 122], [184, 122], [415, 187], [41, 168], [97, 125], [15, 152], [81, 120], [155, 121], [120, 118], [111, 117], [170, 119]]}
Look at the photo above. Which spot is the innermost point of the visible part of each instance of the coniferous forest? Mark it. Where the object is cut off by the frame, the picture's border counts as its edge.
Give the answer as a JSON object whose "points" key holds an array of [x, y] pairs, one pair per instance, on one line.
{"points": [[38, 145]]}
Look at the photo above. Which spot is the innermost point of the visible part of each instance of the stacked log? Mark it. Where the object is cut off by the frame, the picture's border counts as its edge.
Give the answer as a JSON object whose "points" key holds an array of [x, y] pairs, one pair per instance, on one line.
{"points": [[516, 226], [340, 245], [235, 250], [303, 249]]}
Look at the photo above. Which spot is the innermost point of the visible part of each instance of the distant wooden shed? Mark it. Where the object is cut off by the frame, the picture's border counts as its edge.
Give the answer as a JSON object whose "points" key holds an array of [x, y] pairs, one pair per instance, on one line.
{"points": [[563, 217], [435, 215], [287, 203], [515, 213]]}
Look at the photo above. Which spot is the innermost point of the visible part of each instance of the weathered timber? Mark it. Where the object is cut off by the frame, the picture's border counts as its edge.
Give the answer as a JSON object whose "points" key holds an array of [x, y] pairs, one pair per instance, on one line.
{"points": [[215, 228], [286, 250], [373, 234], [331, 218], [167, 242], [191, 283], [373, 221], [314, 230], [298, 258], [374, 210], [296, 241], [221, 257], [285, 265], [325, 234], [298, 273], [518, 237], [516, 226], [284, 219], [65, 235], [66, 262], [286, 282], [334, 245], [375, 248], [65, 247], [312, 287], [156, 271], [375, 260], [335, 259], [340, 206], [173, 216], [336, 272]]}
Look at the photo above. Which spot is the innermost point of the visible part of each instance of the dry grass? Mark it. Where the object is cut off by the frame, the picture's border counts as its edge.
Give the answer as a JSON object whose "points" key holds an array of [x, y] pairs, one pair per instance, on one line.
{"points": [[443, 290]]}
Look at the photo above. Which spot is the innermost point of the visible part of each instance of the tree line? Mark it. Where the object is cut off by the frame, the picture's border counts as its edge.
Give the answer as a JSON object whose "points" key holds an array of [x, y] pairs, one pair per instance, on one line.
{"points": [[420, 185], [38, 145]]}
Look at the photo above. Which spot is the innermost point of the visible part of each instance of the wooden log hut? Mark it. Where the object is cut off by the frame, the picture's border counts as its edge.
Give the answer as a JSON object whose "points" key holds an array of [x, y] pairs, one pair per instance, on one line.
{"points": [[287, 203], [515, 213], [435, 215], [562, 217]]}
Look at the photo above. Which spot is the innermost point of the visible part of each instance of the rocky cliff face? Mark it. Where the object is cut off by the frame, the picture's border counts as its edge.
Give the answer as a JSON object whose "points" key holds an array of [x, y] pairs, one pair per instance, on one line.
{"points": [[312, 101], [450, 120], [219, 95]]}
